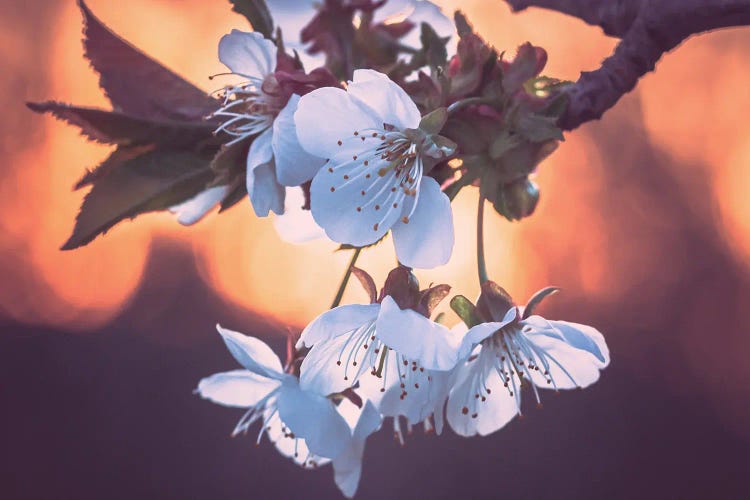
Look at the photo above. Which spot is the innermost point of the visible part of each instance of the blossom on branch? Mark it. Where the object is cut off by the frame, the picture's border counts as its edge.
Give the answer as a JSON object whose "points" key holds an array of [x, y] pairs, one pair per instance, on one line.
{"points": [[374, 179], [510, 347]]}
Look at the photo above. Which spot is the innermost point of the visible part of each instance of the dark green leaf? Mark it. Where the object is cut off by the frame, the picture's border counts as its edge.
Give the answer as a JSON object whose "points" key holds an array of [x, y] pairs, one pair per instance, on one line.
{"points": [[255, 11], [465, 310], [113, 127], [137, 84], [154, 180], [433, 47]]}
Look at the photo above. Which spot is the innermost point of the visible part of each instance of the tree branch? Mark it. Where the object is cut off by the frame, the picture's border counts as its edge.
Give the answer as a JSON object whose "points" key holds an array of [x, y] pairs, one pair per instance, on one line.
{"points": [[648, 29]]}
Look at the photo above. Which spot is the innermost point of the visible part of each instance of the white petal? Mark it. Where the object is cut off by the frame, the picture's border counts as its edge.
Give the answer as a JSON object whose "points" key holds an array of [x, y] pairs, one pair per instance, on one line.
{"points": [[569, 367], [427, 12], [291, 447], [386, 98], [469, 415], [320, 373], [248, 54], [237, 388], [296, 225], [194, 209], [252, 353], [261, 150], [483, 330], [352, 202], [265, 192], [393, 11], [337, 321], [328, 115], [313, 418], [417, 338], [426, 241], [347, 467], [585, 338], [294, 166]]}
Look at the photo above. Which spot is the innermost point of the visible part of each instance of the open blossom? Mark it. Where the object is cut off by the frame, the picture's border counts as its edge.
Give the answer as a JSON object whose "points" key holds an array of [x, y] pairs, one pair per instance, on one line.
{"points": [[304, 426], [514, 348], [396, 356], [258, 109], [374, 179]]}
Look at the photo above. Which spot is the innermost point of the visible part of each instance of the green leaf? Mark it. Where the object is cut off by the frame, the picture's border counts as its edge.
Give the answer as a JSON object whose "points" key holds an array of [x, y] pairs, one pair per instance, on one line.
{"points": [[537, 299], [465, 310], [113, 127], [256, 11], [433, 47], [137, 84], [154, 180], [432, 122]]}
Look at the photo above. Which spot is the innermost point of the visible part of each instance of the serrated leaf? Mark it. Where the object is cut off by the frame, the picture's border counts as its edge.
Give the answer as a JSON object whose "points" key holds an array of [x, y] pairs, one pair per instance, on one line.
{"points": [[114, 127], [115, 158], [537, 299], [466, 310], [137, 84], [155, 180], [255, 11]]}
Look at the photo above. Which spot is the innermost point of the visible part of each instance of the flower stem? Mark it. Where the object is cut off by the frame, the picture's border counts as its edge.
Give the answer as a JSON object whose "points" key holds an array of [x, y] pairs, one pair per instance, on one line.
{"points": [[347, 275], [481, 265]]}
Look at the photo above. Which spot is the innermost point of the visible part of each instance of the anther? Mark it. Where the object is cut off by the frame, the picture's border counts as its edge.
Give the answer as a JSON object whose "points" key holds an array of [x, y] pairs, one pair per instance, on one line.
{"points": [[333, 189], [375, 227], [405, 219], [464, 410], [340, 143]]}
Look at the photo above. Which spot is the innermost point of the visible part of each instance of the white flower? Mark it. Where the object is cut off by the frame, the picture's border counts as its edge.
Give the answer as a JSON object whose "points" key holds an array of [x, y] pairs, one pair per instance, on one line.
{"points": [[307, 420], [373, 180], [546, 354], [293, 16], [418, 12], [399, 358], [253, 110], [193, 210]]}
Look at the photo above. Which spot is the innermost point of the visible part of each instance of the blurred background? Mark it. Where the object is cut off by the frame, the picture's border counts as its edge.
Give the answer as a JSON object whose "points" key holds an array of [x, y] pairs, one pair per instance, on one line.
{"points": [[644, 222]]}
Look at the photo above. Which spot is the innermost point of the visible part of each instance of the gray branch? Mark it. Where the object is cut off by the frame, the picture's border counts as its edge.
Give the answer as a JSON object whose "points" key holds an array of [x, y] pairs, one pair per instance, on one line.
{"points": [[647, 28]]}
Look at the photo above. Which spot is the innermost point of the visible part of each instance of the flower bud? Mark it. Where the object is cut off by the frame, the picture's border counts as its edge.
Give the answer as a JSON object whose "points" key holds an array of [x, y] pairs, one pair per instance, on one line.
{"points": [[517, 199]]}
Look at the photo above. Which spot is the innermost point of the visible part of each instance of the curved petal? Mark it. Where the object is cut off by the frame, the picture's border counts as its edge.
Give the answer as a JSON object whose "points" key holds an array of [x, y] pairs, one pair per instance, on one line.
{"points": [[353, 202], [294, 165], [585, 338], [290, 446], [313, 418], [347, 467], [337, 321], [296, 225], [237, 388], [193, 210], [417, 338], [248, 54], [569, 368], [321, 372], [386, 98], [266, 194], [252, 353], [477, 334], [328, 115], [426, 240], [261, 150], [468, 415]]}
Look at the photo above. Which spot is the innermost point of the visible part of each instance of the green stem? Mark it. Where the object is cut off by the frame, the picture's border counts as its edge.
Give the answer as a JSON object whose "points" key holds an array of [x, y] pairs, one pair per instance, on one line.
{"points": [[481, 265], [347, 275]]}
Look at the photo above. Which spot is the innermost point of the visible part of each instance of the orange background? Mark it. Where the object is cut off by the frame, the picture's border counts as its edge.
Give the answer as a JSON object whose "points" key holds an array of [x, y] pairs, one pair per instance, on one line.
{"points": [[643, 218]]}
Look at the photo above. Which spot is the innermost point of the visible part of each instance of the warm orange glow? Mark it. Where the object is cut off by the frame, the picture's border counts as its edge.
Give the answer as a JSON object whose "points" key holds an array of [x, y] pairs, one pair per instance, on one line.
{"points": [[694, 106]]}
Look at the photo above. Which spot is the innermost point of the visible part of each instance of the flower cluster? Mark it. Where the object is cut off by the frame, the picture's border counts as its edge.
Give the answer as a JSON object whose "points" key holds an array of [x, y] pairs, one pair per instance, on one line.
{"points": [[358, 120], [356, 365]]}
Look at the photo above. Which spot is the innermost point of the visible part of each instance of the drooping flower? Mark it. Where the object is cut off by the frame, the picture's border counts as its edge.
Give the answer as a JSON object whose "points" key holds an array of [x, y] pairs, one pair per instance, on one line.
{"points": [[389, 350], [511, 347], [374, 179], [261, 108], [304, 426]]}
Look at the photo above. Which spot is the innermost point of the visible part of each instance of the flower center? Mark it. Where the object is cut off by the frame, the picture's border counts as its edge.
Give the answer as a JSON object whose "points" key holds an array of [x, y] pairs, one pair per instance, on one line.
{"points": [[247, 110]]}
